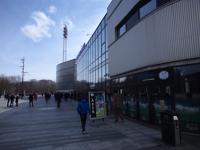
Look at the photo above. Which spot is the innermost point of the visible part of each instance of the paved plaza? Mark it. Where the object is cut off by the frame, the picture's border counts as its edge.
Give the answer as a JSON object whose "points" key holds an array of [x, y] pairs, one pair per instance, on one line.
{"points": [[44, 127]]}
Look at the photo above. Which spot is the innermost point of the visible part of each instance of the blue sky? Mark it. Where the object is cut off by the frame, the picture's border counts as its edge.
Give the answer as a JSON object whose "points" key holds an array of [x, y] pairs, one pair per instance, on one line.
{"points": [[33, 29]]}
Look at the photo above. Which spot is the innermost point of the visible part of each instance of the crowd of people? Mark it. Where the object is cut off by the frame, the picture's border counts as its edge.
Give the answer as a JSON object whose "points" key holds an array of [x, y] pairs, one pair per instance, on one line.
{"points": [[32, 96], [11, 98], [82, 107]]}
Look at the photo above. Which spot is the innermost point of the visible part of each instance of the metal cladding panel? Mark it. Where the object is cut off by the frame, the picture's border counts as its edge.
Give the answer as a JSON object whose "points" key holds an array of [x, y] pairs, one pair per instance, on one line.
{"points": [[171, 33], [112, 6], [116, 13]]}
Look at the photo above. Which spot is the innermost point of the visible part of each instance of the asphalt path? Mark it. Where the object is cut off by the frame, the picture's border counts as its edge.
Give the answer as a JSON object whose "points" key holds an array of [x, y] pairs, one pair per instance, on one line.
{"points": [[44, 127]]}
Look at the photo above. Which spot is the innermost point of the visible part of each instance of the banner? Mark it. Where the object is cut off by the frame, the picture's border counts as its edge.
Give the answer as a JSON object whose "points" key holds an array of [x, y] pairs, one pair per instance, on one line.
{"points": [[97, 105]]}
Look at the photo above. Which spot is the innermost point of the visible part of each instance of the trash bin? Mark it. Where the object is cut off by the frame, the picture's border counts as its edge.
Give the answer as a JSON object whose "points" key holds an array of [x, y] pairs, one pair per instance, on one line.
{"points": [[170, 128]]}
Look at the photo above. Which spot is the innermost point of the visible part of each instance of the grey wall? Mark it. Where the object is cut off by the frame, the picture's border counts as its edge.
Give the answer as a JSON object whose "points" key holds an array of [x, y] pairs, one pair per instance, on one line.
{"points": [[65, 75], [170, 33], [115, 13]]}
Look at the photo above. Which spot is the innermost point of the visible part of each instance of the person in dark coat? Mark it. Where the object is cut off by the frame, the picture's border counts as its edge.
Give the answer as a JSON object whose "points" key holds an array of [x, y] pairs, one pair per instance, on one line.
{"points": [[35, 96], [6, 96], [16, 100], [117, 106], [30, 100], [58, 97], [47, 96], [83, 109], [12, 98]]}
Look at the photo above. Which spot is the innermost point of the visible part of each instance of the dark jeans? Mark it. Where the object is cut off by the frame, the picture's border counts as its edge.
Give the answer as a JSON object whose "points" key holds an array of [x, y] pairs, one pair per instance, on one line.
{"points": [[58, 103], [16, 102], [83, 121], [8, 101], [11, 103], [30, 103], [118, 114]]}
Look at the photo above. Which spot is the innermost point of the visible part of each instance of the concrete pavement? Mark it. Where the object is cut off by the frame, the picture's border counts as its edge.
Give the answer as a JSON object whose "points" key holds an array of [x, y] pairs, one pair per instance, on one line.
{"points": [[44, 127]]}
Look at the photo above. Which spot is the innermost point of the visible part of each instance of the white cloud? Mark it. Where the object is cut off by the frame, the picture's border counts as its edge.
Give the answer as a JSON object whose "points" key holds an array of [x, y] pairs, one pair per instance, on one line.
{"points": [[40, 27], [52, 9]]}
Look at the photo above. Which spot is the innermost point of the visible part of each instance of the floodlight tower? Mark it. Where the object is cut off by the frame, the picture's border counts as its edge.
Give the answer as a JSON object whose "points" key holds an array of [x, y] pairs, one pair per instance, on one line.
{"points": [[23, 73], [65, 34]]}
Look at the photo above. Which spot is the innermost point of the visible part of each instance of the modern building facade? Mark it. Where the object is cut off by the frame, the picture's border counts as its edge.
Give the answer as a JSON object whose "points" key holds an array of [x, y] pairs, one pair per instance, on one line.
{"points": [[154, 58], [66, 76], [92, 60]]}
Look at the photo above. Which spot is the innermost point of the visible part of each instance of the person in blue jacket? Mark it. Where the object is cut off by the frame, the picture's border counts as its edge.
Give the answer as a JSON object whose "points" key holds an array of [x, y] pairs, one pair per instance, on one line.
{"points": [[83, 109]]}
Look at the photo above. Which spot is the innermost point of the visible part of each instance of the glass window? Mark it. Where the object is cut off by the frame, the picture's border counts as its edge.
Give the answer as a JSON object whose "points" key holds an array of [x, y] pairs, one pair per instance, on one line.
{"points": [[162, 2], [103, 36], [94, 37], [93, 50], [106, 35], [106, 68], [96, 76], [87, 75], [99, 60], [93, 65], [146, 9], [107, 55], [103, 48], [89, 55], [90, 77], [87, 58], [103, 23], [103, 71], [132, 20], [122, 30], [100, 74], [96, 48], [97, 63], [99, 45], [103, 57]]}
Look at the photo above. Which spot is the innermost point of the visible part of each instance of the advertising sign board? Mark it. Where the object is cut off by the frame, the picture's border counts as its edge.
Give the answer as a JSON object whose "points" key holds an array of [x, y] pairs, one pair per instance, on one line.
{"points": [[97, 105]]}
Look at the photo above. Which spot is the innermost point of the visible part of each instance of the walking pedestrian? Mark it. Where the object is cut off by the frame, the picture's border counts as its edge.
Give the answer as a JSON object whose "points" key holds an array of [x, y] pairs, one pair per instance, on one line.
{"points": [[47, 96], [35, 96], [30, 100], [16, 100], [12, 98], [83, 109], [117, 106], [58, 97], [7, 96]]}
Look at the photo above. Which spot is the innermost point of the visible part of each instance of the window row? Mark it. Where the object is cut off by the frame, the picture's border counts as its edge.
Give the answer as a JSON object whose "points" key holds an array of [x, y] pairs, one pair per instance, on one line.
{"points": [[140, 10], [94, 76], [98, 30], [98, 62], [91, 63], [92, 52]]}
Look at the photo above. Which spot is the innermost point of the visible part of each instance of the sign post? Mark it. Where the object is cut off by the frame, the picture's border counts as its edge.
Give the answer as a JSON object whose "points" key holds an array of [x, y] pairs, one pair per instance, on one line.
{"points": [[97, 105]]}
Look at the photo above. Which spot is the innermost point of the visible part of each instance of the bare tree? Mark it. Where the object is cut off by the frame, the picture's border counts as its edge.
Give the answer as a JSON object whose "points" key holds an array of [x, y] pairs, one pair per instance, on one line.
{"points": [[12, 84], [8, 83]]}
